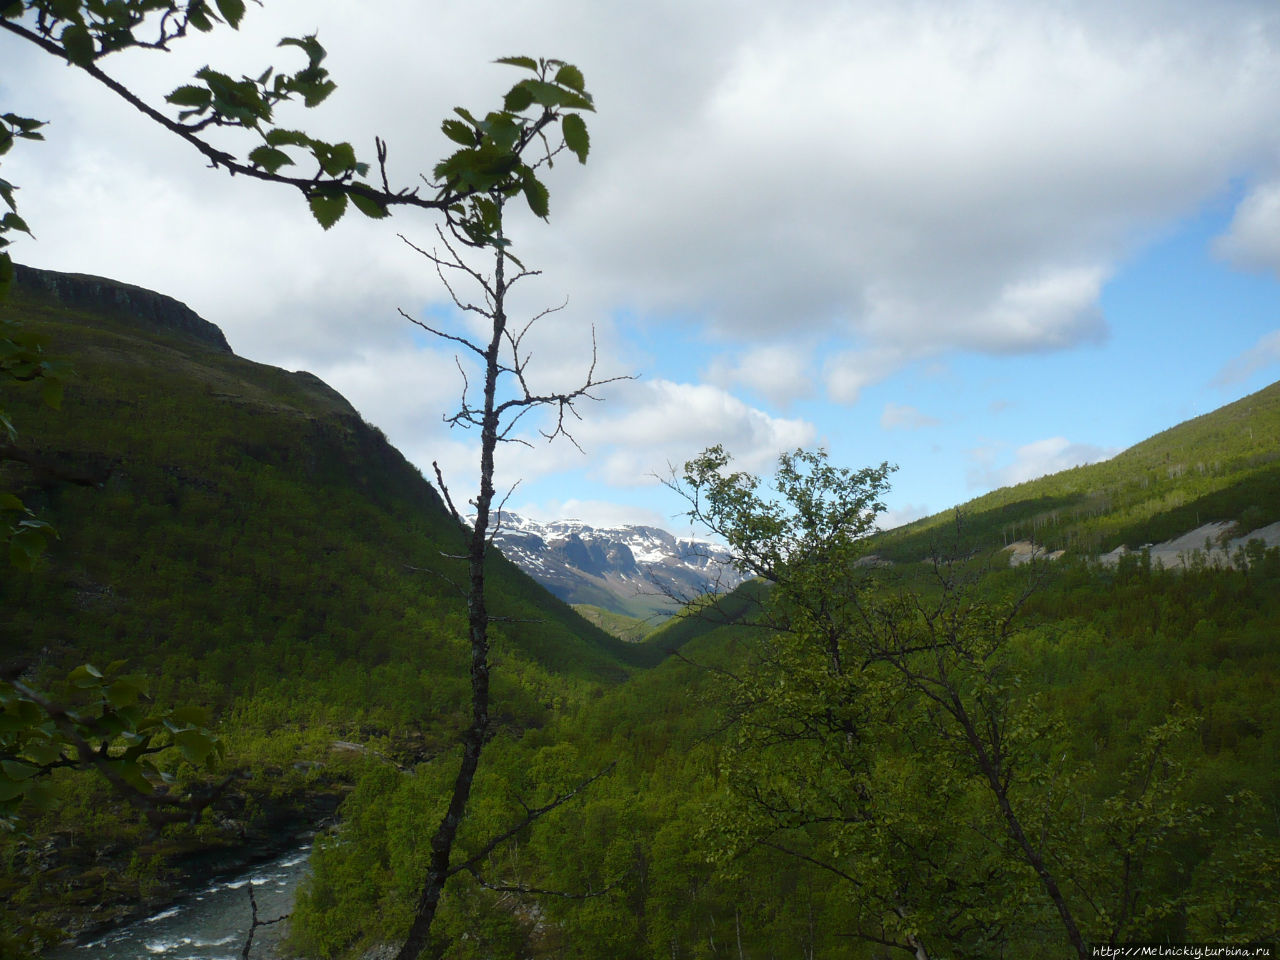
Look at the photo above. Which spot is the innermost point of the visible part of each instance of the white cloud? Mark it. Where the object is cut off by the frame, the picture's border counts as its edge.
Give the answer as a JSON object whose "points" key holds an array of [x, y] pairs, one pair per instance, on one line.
{"points": [[648, 425], [933, 175], [905, 417], [1037, 459], [632, 440], [847, 373], [1253, 238], [918, 176], [779, 373], [1263, 354], [401, 389]]}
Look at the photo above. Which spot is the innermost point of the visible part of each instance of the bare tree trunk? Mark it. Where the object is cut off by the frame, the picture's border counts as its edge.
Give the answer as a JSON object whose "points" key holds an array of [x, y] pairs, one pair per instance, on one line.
{"points": [[473, 739]]}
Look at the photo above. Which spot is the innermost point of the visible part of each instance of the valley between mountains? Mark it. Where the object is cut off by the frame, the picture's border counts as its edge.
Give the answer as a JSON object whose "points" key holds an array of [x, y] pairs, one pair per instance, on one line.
{"points": [[884, 745], [636, 571]]}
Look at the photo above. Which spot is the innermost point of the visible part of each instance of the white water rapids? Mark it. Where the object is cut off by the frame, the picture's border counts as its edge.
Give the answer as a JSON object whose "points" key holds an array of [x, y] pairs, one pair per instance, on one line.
{"points": [[210, 924]]}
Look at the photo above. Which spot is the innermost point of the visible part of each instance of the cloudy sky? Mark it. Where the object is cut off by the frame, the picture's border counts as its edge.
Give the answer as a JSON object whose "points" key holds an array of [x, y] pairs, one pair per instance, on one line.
{"points": [[982, 240]]}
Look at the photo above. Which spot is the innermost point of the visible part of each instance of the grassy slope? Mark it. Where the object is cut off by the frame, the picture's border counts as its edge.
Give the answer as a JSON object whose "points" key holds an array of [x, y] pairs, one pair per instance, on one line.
{"points": [[1224, 465]]}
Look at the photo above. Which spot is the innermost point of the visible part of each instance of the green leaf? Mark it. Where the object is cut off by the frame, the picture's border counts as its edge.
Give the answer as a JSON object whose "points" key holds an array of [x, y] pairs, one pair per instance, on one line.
{"points": [[316, 93], [527, 62], [309, 44], [11, 221], [575, 135], [269, 158], [518, 98], [287, 138], [6, 276], [195, 746], [26, 546], [501, 131], [9, 789], [189, 95], [78, 44], [18, 771], [84, 676], [328, 208], [199, 18], [551, 96], [192, 715], [535, 192], [570, 76], [232, 11], [43, 749], [459, 132], [370, 207], [133, 775], [454, 167], [123, 693], [340, 158]]}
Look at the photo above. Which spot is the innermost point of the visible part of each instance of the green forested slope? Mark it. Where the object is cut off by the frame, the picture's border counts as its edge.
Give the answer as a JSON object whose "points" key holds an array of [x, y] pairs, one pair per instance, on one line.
{"points": [[1222, 466], [245, 541], [234, 509]]}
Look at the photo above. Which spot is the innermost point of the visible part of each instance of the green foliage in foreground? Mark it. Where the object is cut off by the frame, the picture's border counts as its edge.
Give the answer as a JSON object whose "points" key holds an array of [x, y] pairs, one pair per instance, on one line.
{"points": [[98, 720]]}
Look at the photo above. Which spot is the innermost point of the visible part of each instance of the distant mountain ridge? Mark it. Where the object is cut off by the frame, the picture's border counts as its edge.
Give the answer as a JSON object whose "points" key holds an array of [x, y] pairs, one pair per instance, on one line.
{"points": [[632, 569]]}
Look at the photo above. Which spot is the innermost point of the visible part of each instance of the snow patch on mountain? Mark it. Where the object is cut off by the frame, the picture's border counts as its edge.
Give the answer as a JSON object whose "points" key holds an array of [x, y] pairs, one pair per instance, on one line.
{"points": [[632, 569]]}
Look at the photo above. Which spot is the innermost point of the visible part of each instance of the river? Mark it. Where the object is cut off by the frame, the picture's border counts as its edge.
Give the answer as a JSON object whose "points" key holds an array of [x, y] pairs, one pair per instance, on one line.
{"points": [[210, 924]]}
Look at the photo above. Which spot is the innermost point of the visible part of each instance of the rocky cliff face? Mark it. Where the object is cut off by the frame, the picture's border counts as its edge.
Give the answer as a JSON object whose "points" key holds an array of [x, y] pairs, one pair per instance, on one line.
{"points": [[633, 570], [146, 308]]}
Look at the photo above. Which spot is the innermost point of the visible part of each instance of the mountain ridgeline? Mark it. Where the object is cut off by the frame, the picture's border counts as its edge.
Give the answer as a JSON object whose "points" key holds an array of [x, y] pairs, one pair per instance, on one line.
{"points": [[637, 571]]}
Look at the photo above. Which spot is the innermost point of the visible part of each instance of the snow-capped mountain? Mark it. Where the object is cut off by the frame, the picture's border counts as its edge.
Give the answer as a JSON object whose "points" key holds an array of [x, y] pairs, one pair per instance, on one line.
{"points": [[635, 570]]}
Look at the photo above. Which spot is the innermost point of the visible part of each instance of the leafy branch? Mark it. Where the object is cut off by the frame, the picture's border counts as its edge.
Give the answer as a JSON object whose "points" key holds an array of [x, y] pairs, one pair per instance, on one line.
{"points": [[491, 150]]}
